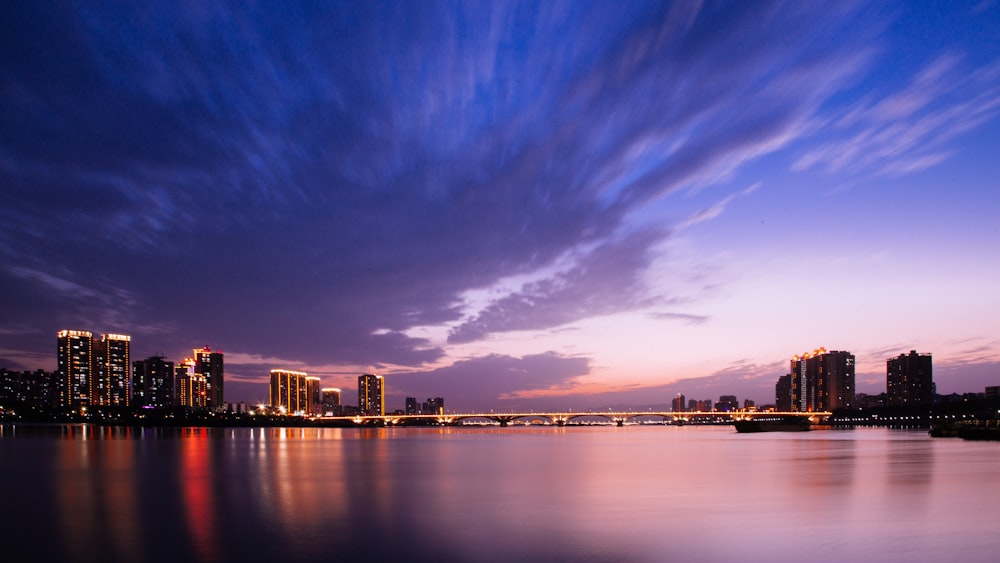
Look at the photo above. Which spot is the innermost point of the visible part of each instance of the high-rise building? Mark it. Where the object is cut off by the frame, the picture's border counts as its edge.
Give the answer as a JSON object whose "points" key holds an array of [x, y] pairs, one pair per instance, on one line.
{"points": [[822, 381], [208, 364], [371, 395], [109, 381], [677, 405], [74, 364], [909, 379], [192, 387], [153, 383], [314, 404], [289, 392], [331, 401], [783, 394]]}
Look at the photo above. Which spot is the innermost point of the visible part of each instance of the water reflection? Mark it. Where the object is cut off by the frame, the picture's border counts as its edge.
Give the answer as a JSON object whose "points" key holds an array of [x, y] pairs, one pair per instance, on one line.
{"points": [[526, 494], [195, 475], [95, 490]]}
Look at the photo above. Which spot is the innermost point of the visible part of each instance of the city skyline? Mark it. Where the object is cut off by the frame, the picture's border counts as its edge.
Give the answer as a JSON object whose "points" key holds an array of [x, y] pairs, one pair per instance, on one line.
{"points": [[512, 206], [819, 380]]}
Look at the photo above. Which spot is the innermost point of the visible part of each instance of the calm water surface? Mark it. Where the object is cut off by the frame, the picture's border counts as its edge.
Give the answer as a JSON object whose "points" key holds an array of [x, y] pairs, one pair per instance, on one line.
{"points": [[640, 493]]}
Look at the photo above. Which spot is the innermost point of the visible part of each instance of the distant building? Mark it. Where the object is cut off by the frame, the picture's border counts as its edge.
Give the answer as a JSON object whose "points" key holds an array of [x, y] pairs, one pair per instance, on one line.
{"points": [[783, 394], [289, 391], [74, 361], [749, 404], [993, 392], [433, 405], [704, 406], [411, 406], [209, 365], [371, 395], [866, 401], [909, 379], [34, 390], [153, 383], [822, 381], [331, 401], [240, 408], [727, 403], [677, 405], [111, 371]]}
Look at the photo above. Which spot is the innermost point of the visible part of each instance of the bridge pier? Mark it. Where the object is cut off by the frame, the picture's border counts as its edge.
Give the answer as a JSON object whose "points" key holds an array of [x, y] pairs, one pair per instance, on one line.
{"points": [[620, 422]]}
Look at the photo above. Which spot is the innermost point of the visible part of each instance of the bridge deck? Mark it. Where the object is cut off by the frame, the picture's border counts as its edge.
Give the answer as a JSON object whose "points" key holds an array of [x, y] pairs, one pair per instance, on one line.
{"points": [[564, 417]]}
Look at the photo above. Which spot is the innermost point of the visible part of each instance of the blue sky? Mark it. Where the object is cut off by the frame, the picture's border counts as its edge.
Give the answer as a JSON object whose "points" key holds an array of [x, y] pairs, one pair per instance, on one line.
{"points": [[506, 204]]}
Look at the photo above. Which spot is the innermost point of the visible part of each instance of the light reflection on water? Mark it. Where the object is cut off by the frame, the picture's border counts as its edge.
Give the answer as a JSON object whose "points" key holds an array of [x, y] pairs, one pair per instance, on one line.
{"points": [[83, 493]]}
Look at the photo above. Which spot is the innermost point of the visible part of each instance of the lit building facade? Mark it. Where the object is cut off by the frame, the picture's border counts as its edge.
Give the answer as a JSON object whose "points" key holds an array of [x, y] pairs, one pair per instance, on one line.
{"points": [[909, 379], [289, 391], [192, 386], [153, 383], [371, 395], [208, 364], [111, 373], [821, 381], [74, 360]]}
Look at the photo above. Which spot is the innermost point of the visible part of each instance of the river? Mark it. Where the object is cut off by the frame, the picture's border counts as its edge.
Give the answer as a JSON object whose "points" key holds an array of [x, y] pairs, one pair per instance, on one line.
{"points": [[602, 493]]}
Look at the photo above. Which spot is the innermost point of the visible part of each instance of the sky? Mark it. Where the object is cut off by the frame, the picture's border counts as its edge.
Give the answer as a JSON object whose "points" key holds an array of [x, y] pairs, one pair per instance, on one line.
{"points": [[543, 205]]}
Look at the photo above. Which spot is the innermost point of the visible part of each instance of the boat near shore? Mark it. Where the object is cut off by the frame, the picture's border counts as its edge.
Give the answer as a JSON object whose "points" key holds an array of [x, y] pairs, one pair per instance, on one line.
{"points": [[967, 429], [783, 424]]}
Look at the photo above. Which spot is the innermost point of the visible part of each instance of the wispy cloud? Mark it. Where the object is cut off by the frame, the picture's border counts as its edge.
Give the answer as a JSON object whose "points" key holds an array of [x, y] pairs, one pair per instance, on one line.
{"points": [[603, 281], [908, 130]]}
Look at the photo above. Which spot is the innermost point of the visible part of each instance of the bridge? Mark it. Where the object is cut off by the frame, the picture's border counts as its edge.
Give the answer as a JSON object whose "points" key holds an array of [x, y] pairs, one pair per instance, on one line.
{"points": [[562, 418]]}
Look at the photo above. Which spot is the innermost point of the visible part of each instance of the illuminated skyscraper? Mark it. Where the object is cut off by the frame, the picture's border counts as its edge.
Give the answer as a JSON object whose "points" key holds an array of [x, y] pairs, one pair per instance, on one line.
{"points": [[153, 383], [289, 391], [192, 387], [822, 381], [371, 395], [208, 364], [75, 361], [909, 379], [109, 381]]}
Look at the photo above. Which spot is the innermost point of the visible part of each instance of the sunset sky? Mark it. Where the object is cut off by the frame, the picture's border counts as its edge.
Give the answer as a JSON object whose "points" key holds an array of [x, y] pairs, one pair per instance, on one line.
{"points": [[509, 205]]}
